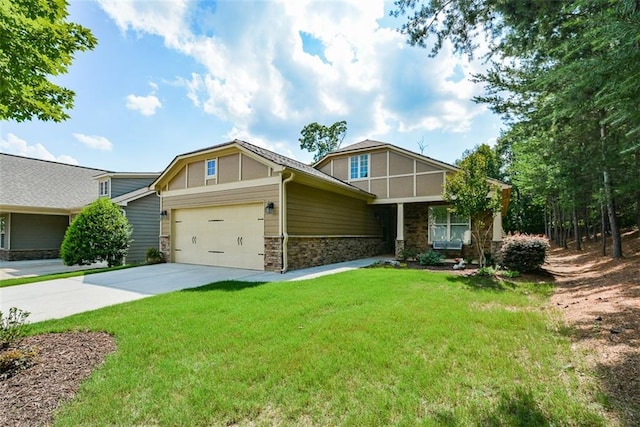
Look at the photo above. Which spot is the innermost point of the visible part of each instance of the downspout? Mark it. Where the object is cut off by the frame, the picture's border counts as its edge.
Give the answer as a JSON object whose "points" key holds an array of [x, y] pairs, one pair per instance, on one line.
{"points": [[283, 219]]}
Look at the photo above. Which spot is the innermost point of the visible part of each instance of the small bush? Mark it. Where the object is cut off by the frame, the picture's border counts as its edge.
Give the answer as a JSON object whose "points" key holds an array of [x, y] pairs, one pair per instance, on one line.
{"points": [[408, 253], [15, 360], [510, 273], [13, 327], [430, 258], [523, 252], [154, 256], [485, 272]]}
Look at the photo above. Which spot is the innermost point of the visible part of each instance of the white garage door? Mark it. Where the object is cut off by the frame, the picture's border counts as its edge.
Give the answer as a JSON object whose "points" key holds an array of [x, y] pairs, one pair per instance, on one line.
{"points": [[226, 236]]}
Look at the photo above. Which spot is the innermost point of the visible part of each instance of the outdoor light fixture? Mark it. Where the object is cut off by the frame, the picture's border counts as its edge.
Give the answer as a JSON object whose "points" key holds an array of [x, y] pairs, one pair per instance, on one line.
{"points": [[163, 213], [268, 208]]}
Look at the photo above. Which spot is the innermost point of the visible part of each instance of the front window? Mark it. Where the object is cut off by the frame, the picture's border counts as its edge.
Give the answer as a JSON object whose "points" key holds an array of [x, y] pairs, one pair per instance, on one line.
{"points": [[359, 166], [3, 227], [211, 168], [104, 188], [448, 226]]}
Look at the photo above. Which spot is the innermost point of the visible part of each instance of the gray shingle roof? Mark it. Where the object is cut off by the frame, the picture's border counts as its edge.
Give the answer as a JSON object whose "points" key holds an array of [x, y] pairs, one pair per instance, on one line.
{"points": [[29, 183]]}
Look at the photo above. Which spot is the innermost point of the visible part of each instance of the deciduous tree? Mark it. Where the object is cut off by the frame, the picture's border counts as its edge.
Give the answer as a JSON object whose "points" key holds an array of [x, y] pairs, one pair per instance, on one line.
{"points": [[322, 140]]}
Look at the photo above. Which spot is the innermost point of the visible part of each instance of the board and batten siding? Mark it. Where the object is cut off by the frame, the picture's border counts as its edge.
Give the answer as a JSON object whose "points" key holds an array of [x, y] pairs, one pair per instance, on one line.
{"points": [[120, 186], [392, 175], [143, 215], [33, 231], [315, 212], [236, 196]]}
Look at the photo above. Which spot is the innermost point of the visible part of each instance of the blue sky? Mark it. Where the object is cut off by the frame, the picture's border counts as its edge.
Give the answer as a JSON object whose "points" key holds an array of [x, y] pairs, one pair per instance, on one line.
{"points": [[168, 77]]}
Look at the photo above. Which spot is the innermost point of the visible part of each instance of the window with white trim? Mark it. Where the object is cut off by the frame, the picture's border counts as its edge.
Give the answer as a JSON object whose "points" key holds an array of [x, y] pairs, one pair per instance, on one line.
{"points": [[104, 188], [3, 228], [448, 226], [359, 166], [211, 168]]}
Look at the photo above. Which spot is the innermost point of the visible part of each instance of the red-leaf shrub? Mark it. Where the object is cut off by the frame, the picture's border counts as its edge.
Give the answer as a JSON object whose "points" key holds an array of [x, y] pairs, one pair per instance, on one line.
{"points": [[523, 253]]}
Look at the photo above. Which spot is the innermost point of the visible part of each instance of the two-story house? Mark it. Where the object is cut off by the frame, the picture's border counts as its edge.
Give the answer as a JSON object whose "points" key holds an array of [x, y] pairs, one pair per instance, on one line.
{"points": [[239, 205]]}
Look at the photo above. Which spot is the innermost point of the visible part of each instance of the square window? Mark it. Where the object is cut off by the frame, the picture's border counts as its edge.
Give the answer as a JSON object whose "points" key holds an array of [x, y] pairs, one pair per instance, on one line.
{"points": [[448, 226], [359, 166]]}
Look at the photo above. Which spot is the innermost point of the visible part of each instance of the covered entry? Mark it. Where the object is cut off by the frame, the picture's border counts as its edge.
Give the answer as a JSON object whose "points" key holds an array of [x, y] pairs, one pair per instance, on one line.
{"points": [[225, 236]]}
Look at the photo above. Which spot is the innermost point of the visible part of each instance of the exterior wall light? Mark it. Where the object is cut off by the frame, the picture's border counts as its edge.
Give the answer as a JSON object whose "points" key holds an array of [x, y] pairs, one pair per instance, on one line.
{"points": [[163, 213], [268, 208]]}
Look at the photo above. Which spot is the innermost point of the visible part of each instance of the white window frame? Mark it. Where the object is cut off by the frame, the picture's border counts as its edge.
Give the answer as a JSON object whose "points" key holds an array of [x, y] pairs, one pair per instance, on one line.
{"points": [[104, 189], [359, 163], [4, 224], [206, 168], [467, 235]]}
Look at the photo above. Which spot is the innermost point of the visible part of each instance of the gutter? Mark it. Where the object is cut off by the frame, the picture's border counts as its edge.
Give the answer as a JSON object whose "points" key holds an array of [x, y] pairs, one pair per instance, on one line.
{"points": [[283, 221]]}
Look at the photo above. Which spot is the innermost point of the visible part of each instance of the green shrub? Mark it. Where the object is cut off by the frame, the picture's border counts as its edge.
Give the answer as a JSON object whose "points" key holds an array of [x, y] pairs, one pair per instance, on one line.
{"points": [[154, 256], [431, 258], [524, 253], [485, 272], [13, 327], [14, 360], [100, 232], [408, 253], [510, 273]]}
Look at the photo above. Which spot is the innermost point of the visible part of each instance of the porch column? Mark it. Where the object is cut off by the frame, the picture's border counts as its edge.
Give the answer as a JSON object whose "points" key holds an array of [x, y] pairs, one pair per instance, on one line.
{"points": [[400, 222], [497, 227]]}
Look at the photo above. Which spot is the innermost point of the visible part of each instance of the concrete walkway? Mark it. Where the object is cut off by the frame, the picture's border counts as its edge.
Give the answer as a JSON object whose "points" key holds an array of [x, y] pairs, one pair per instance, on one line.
{"points": [[54, 299]]}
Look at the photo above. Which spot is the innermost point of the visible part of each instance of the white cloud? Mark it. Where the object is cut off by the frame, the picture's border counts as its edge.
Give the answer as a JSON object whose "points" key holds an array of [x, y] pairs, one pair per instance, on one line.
{"points": [[20, 147], [147, 105], [94, 141], [258, 76]]}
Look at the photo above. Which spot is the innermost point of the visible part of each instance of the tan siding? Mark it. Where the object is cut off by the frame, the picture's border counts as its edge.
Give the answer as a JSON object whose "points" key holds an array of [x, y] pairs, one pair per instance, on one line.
{"points": [[326, 168], [429, 185], [179, 181], [315, 212], [426, 167], [401, 187], [252, 169], [263, 194], [379, 187], [196, 174], [363, 185], [399, 165], [341, 168], [228, 168], [378, 164]]}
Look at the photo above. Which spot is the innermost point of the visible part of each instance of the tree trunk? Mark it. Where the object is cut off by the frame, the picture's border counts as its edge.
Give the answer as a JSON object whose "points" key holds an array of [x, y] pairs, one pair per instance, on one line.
{"points": [[616, 248], [603, 228], [576, 230], [638, 193], [587, 224]]}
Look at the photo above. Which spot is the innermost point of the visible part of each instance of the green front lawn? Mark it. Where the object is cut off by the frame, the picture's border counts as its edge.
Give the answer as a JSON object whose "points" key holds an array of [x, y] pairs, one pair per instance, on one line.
{"points": [[366, 347], [32, 279]]}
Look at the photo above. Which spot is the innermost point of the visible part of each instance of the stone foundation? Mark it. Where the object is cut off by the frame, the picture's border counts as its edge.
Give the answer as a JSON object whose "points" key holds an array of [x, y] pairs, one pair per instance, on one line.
{"points": [[165, 248], [273, 254], [310, 252], [400, 245], [28, 254]]}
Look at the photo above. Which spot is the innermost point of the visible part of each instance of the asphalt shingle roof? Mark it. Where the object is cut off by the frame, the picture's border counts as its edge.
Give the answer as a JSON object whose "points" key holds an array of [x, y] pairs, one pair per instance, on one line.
{"points": [[38, 183]]}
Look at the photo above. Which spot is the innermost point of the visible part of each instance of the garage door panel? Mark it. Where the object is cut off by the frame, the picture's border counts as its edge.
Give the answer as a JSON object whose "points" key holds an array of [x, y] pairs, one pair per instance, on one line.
{"points": [[229, 236]]}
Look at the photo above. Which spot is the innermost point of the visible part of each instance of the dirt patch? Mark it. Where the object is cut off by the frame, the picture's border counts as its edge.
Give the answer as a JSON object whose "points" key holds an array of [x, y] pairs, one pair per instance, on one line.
{"points": [[600, 300], [63, 361]]}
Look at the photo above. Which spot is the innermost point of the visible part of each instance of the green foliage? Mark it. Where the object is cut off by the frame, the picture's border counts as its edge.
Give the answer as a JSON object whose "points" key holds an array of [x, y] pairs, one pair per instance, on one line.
{"points": [[14, 360], [37, 42], [431, 258], [100, 232], [471, 194], [322, 140], [154, 256], [13, 326], [510, 273], [485, 272], [523, 252], [409, 253]]}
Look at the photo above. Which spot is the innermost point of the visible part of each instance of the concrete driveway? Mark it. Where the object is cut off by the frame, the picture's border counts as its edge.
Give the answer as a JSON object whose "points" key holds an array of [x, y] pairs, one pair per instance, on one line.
{"points": [[54, 299]]}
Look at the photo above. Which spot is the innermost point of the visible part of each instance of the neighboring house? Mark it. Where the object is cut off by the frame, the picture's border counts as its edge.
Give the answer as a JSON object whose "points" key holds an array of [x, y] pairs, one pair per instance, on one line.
{"points": [[140, 205], [38, 199], [239, 205]]}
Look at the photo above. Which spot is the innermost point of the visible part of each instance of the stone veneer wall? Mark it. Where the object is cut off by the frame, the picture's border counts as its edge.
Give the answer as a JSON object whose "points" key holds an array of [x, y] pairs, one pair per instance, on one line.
{"points": [[306, 252], [273, 253], [165, 248], [28, 254]]}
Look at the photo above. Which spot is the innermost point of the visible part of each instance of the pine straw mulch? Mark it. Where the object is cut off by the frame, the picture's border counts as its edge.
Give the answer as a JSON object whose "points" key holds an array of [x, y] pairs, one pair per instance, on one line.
{"points": [[63, 361], [599, 298]]}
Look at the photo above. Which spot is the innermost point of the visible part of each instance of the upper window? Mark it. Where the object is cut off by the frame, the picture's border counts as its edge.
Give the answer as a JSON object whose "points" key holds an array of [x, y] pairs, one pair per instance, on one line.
{"points": [[446, 225], [104, 188], [359, 166], [212, 168]]}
